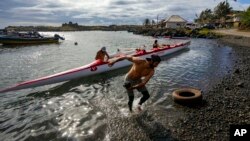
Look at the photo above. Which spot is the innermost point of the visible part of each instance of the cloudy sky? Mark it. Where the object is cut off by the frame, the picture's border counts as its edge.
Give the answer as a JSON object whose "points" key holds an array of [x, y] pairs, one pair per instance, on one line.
{"points": [[101, 12]]}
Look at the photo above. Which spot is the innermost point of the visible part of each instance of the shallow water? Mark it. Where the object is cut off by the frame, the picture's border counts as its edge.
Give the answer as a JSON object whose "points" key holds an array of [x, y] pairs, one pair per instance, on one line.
{"points": [[95, 108]]}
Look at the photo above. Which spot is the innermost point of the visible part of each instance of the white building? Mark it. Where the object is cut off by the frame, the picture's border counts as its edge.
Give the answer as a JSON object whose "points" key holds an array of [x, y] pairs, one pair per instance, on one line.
{"points": [[192, 25], [175, 21]]}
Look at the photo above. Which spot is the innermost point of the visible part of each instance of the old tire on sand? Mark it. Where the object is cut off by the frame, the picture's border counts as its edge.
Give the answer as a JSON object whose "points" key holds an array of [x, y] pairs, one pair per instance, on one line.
{"points": [[187, 96]]}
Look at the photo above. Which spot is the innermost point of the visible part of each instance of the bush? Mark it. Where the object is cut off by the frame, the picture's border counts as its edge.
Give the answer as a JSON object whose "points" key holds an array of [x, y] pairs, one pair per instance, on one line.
{"points": [[245, 19]]}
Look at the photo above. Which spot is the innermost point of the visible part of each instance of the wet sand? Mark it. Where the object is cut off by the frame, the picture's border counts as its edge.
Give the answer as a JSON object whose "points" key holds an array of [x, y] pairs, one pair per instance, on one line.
{"points": [[234, 37], [234, 32]]}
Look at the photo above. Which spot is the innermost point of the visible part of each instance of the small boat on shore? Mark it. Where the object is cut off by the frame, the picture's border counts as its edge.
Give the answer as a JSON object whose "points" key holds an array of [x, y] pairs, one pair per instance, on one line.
{"points": [[162, 37], [182, 38], [95, 67], [28, 38], [172, 37]]}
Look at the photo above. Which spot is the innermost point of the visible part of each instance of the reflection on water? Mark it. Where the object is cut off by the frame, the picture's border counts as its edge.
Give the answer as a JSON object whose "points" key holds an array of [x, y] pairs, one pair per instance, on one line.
{"points": [[95, 108]]}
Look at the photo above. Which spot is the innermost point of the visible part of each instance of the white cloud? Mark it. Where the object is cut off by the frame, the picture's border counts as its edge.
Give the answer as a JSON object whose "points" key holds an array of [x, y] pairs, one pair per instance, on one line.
{"points": [[102, 11]]}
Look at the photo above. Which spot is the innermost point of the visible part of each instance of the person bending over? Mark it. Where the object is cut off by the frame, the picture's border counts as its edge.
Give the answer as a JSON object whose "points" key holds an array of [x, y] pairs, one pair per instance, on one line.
{"points": [[138, 76]]}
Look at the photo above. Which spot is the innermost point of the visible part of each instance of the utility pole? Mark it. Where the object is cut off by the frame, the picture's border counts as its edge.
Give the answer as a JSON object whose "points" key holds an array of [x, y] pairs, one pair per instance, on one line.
{"points": [[157, 20]]}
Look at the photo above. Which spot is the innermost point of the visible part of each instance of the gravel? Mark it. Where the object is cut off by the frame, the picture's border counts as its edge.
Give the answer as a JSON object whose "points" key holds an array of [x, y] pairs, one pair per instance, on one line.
{"points": [[225, 104]]}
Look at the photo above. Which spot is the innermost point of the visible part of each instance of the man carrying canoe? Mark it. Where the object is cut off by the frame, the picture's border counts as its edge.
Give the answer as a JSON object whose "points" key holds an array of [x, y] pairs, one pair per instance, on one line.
{"points": [[100, 55], [138, 76]]}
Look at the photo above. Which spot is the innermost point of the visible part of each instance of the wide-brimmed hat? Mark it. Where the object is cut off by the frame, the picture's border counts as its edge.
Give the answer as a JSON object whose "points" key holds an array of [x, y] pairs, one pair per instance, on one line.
{"points": [[154, 58]]}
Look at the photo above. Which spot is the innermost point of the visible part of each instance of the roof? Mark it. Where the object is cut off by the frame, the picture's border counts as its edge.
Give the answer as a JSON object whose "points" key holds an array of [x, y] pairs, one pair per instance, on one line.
{"points": [[175, 19]]}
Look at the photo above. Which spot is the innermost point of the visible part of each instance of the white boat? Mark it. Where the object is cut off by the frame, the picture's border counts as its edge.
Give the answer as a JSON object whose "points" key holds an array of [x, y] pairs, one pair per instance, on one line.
{"points": [[93, 68]]}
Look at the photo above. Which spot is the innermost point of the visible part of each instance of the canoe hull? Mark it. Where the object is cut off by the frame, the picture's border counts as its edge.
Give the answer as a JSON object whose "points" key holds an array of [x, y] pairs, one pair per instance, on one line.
{"points": [[96, 67], [20, 41]]}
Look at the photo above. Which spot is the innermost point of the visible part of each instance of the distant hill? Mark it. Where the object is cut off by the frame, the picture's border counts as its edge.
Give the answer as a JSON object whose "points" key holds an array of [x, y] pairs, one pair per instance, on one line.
{"points": [[75, 27]]}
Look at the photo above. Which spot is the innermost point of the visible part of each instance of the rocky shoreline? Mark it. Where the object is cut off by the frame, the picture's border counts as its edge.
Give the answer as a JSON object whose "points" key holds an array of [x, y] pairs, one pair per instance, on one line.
{"points": [[235, 40], [226, 104], [183, 32]]}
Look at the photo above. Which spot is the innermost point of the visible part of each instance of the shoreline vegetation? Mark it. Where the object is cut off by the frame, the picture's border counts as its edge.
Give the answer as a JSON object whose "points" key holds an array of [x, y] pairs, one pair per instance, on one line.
{"points": [[73, 27]]}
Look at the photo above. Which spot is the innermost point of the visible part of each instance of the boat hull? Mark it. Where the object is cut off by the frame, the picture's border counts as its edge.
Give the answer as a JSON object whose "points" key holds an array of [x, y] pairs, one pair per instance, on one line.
{"points": [[95, 67], [16, 41], [181, 38]]}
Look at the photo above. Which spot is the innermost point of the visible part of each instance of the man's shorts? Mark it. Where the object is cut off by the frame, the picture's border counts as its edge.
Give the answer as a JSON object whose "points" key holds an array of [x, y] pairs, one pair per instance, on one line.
{"points": [[133, 83]]}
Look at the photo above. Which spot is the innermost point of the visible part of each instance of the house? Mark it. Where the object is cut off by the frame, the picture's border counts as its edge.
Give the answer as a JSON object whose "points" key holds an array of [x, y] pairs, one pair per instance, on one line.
{"points": [[191, 25], [233, 19], [175, 21]]}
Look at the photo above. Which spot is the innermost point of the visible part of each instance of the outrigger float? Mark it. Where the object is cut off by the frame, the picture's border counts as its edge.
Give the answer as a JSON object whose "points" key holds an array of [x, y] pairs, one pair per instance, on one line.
{"points": [[95, 67]]}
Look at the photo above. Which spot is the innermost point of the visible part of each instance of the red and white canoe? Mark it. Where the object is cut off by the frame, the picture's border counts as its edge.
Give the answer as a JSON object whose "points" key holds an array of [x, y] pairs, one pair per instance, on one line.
{"points": [[93, 68]]}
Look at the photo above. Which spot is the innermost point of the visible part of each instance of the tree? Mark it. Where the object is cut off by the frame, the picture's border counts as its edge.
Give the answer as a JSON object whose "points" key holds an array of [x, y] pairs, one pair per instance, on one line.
{"points": [[222, 10], [146, 22], [245, 19], [153, 22], [205, 17]]}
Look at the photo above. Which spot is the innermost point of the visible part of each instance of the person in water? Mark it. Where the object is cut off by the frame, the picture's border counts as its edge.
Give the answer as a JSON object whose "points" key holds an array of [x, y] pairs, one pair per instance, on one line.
{"points": [[156, 45], [101, 54], [133, 80]]}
